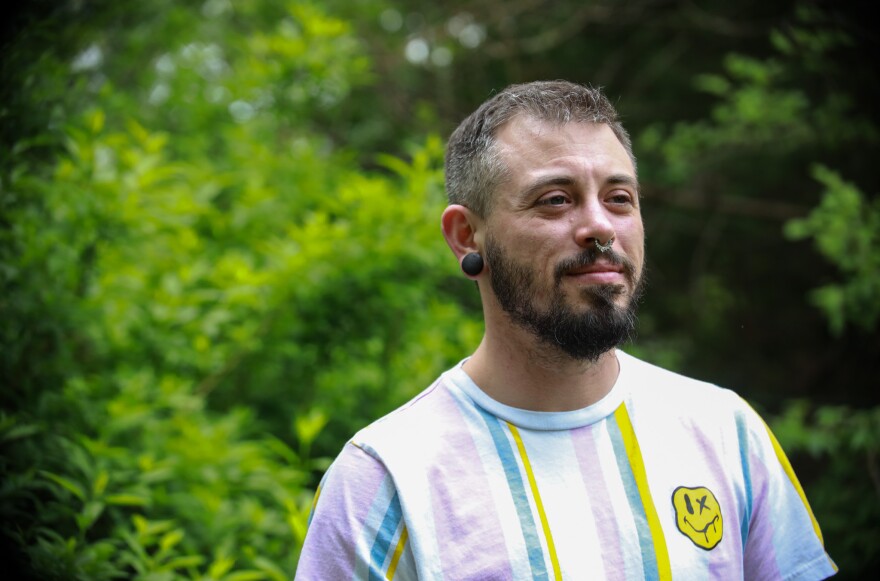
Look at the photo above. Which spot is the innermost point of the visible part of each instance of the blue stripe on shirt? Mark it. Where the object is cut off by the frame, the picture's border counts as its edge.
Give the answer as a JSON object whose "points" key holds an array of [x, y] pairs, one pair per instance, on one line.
{"points": [[520, 498], [742, 435], [379, 552], [646, 542]]}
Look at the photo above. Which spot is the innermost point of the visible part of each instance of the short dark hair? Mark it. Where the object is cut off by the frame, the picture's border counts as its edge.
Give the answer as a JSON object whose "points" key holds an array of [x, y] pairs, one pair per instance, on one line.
{"points": [[473, 166]]}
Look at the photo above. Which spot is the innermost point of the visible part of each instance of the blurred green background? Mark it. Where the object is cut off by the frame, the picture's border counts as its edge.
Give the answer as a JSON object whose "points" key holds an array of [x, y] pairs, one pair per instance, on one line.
{"points": [[221, 252]]}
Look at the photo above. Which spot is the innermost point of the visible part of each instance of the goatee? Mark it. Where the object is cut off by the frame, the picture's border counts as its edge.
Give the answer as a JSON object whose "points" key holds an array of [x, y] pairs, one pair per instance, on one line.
{"points": [[583, 336]]}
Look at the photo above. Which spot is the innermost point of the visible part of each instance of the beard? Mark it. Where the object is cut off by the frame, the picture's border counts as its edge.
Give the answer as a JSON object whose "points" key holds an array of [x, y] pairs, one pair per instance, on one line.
{"points": [[583, 336]]}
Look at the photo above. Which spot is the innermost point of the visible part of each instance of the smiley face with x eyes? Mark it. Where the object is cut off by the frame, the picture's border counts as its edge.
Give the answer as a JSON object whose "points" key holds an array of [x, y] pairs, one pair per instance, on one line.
{"points": [[698, 516]]}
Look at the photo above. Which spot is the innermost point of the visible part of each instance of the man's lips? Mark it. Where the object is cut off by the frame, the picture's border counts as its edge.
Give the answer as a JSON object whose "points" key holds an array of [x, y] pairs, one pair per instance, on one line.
{"points": [[595, 268], [597, 273]]}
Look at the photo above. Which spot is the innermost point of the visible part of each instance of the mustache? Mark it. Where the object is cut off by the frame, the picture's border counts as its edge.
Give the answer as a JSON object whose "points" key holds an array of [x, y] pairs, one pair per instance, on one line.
{"points": [[589, 256]]}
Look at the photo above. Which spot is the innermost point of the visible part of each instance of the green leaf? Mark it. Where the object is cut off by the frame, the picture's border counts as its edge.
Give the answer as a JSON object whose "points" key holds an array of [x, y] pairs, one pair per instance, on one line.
{"points": [[100, 483], [220, 567], [395, 164], [147, 528], [170, 539], [90, 513], [712, 84], [246, 575], [141, 524], [182, 562], [307, 427], [65, 483], [269, 567], [19, 431], [96, 121], [126, 500]]}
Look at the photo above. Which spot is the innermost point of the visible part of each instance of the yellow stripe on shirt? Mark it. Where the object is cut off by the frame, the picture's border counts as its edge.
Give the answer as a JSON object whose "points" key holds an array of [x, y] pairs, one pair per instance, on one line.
{"points": [[551, 548], [786, 465], [637, 464], [398, 551]]}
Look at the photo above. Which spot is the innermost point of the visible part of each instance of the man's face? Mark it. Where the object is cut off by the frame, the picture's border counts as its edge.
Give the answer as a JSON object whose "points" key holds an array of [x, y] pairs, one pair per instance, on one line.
{"points": [[568, 186]]}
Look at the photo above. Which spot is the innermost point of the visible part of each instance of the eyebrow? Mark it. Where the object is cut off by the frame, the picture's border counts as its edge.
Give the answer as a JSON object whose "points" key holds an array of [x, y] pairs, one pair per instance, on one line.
{"points": [[542, 183], [622, 179]]}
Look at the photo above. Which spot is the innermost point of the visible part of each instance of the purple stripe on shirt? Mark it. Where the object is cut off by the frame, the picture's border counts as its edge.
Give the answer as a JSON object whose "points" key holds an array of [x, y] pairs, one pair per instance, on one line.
{"points": [[587, 453], [760, 550], [465, 517], [723, 561], [341, 509]]}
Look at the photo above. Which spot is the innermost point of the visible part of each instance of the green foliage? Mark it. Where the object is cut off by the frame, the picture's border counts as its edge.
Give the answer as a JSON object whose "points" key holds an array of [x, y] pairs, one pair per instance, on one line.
{"points": [[846, 230], [162, 490], [844, 443], [204, 295]]}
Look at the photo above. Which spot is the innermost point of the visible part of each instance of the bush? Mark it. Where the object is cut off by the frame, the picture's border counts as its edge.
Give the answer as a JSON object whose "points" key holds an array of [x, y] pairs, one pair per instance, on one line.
{"points": [[204, 294]]}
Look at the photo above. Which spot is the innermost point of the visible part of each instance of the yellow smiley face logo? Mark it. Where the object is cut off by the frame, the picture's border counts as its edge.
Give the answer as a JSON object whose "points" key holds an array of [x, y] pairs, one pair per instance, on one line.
{"points": [[698, 516]]}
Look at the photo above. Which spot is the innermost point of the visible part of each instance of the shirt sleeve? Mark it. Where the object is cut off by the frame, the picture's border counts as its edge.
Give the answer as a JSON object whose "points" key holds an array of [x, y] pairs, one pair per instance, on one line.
{"points": [[356, 529], [784, 540]]}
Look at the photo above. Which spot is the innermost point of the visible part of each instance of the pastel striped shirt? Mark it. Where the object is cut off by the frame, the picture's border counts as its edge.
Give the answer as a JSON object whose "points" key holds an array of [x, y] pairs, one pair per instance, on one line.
{"points": [[665, 477]]}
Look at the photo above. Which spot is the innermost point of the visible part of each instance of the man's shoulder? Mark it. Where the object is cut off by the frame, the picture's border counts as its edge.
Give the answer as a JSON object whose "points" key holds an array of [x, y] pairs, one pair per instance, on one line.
{"points": [[651, 383], [417, 423]]}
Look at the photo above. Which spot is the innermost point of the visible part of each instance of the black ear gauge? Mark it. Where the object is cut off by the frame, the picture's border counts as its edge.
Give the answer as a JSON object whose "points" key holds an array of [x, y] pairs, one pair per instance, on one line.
{"points": [[472, 264]]}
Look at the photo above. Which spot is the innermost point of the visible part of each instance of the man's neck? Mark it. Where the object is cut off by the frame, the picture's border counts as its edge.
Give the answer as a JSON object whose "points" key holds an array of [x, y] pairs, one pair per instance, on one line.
{"points": [[522, 372]]}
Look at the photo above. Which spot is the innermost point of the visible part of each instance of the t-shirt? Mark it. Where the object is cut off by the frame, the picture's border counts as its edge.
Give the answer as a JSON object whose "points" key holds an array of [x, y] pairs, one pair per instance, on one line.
{"points": [[665, 477]]}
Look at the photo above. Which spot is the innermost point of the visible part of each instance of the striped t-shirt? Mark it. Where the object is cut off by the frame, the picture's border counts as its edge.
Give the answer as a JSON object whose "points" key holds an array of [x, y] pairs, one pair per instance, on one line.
{"points": [[665, 477]]}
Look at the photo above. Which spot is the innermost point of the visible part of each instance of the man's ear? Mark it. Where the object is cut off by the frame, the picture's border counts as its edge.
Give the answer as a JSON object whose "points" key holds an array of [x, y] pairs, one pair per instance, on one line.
{"points": [[462, 230]]}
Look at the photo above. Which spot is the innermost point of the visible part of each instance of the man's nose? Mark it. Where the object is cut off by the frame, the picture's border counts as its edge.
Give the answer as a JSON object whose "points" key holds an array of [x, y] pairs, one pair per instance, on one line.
{"points": [[592, 224]]}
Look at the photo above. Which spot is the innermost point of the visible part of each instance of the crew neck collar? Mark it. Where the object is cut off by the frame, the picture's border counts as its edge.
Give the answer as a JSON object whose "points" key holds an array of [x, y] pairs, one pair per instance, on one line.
{"points": [[535, 420]]}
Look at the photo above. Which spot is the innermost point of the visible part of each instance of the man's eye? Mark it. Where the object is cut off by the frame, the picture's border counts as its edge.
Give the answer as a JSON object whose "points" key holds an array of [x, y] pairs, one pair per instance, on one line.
{"points": [[620, 199], [553, 200]]}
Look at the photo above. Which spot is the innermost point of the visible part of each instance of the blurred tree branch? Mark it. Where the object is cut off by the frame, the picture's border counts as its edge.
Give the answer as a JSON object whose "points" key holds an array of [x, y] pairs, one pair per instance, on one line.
{"points": [[765, 209]]}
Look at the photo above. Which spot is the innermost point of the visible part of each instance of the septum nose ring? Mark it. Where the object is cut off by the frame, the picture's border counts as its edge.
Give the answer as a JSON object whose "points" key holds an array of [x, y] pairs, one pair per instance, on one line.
{"points": [[604, 247]]}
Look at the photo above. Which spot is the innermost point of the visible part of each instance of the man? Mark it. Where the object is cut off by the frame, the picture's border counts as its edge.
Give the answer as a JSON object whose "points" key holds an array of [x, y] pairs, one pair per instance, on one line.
{"points": [[549, 453]]}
